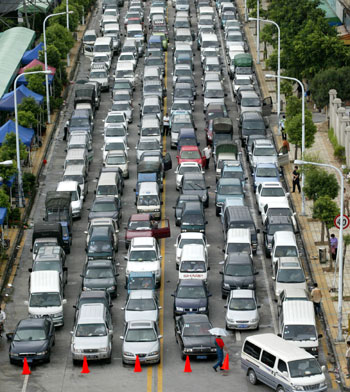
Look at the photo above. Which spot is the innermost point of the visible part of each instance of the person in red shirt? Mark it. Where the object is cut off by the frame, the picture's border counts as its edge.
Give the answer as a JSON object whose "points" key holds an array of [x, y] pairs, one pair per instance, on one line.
{"points": [[220, 347]]}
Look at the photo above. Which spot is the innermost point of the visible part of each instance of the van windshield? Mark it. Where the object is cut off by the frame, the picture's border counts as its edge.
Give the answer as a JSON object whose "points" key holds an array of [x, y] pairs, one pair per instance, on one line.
{"points": [[304, 368], [141, 304], [299, 332], [38, 245], [272, 192], [238, 248], [149, 200], [238, 270], [42, 300], [143, 255], [193, 266], [88, 330], [289, 275], [242, 304], [286, 251], [116, 160], [104, 190], [50, 265], [102, 48]]}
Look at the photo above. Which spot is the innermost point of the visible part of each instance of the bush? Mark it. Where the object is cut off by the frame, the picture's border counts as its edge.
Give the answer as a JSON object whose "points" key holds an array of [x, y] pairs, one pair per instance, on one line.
{"points": [[14, 215], [339, 151], [29, 181]]}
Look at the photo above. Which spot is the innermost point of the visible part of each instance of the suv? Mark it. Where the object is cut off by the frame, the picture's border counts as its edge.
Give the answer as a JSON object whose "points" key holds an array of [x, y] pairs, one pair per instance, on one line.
{"points": [[193, 217], [273, 224], [144, 255], [194, 184], [251, 123], [101, 244], [100, 74], [263, 151], [81, 120]]}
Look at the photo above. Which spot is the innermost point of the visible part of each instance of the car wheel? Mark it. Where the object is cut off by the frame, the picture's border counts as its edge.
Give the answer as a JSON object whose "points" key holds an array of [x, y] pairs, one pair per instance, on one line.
{"points": [[223, 296], [218, 211], [227, 327], [75, 362], [252, 377], [49, 358], [279, 389], [109, 359]]}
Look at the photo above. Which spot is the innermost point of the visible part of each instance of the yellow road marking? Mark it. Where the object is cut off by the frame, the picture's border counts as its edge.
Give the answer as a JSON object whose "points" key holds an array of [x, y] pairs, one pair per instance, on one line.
{"points": [[329, 365], [149, 378]]}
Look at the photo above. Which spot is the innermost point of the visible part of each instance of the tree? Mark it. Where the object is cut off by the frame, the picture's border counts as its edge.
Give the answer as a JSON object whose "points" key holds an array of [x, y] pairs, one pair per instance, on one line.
{"points": [[319, 182], [60, 37], [294, 131], [325, 210], [293, 107], [53, 56], [62, 19], [36, 82], [29, 104], [8, 148], [27, 119], [4, 199]]}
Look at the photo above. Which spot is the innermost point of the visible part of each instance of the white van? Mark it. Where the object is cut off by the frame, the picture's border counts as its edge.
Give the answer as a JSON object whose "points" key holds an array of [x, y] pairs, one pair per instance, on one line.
{"points": [[238, 241], [291, 294], [76, 156], [77, 197], [194, 262], [148, 200], [46, 296], [281, 365], [77, 173], [103, 45], [126, 71], [288, 272], [89, 40], [297, 323], [284, 244], [107, 185]]}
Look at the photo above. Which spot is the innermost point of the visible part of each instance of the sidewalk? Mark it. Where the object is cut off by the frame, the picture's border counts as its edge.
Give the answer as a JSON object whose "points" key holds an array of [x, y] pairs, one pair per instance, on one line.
{"points": [[311, 229]]}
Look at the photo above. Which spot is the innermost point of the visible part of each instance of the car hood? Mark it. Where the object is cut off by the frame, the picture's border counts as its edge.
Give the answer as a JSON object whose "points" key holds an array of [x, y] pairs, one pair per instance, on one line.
{"points": [[149, 315], [260, 180], [198, 341], [224, 198], [141, 347], [242, 315], [266, 159], [112, 214], [239, 280], [200, 192], [91, 342], [148, 266], [129, 234], [191, 302], [99, 283], [36, 346]]}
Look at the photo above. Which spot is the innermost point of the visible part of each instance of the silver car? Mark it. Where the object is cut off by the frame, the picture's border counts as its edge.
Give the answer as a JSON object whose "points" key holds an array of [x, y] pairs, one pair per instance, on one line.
{"points": [[141, 305], [142, 339]]}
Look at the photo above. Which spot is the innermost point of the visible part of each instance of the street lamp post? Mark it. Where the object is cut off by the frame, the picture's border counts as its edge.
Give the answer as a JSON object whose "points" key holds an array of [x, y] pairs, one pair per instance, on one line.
{"points": [[340, 245], [67, 12], [278, 68], [20, 185], [258, 32], [302, 129], [245, 11], [45, 59]]}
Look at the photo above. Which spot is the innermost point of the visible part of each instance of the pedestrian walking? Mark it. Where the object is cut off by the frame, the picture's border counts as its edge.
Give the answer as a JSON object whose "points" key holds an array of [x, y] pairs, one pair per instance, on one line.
{"points": [[285, 147], [166, 124], [207, 153], [334, 246], [316, 296], [346, 202], [347, 356], [220, 348], [296, 179]]}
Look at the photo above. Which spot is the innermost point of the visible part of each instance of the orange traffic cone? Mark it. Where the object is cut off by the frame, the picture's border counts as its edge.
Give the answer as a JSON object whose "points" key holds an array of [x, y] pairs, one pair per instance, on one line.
{"points": [[26, 371], [225, 365], [137, 368], [187, 365], [85, 369]]}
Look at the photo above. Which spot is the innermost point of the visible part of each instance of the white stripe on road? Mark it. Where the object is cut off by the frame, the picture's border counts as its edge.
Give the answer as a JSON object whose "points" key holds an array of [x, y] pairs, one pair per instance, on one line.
{"points": [[25, 383], [238, 336]]}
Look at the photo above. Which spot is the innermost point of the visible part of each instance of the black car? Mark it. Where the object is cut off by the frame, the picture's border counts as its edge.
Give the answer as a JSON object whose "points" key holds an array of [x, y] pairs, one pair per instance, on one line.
{"points": [[93, 297], [273, 224], [101, 244], [194, 184], [193, 217], [100, 275], [251, 123], [33, 338], [215, 110], [193, 337], [238, 273], [181, 200], [191, 296], [106, 207]]}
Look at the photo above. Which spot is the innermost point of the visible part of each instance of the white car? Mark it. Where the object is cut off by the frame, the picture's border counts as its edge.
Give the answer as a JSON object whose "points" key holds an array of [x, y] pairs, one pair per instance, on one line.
{"points": [[141, 305], [270, 193], [116, 143], [101, 58], [189, 238], [118, 159], [115, 130], [127, 58], [281, 209], [242, 310], [115, 118], [186, 167]]}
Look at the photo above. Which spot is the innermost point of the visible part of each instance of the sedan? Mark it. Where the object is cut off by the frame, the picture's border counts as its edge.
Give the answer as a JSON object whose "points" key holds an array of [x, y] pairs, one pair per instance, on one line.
{"points": [[106, 207], [186, 167], [142, 339], [115, 118], [181, 200], [147, 145], [114, 144], [265, 172], [124, 107], [127, 58], [270, 193], [227, 188], [100, 275], [191, 154], [191, 296], [33, 339], [141, 305], [193, 336]]}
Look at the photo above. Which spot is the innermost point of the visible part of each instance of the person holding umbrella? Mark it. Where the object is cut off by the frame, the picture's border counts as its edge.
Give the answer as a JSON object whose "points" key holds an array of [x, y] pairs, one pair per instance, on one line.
{"points": [[220, 348]]}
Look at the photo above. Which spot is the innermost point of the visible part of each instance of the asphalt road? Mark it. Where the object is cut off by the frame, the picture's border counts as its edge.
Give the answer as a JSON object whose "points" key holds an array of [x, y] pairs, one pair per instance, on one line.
{"points": [[60, 374]]}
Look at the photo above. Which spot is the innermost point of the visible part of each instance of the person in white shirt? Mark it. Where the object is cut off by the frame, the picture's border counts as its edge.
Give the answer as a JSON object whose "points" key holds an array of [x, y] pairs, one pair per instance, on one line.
{"points": [[166, 124], [2, 320], [207, 153]]}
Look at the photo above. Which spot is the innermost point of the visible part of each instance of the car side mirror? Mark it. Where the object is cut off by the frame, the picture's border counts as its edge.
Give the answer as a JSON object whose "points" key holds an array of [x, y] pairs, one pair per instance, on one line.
{"points": [[208, 269], [259, 306], [273, 278], [223, 251], [257, 231], [121, 337], [65, 269], [256, 273], [125, 257], [279, 334], [160, 336], [209, 295]]}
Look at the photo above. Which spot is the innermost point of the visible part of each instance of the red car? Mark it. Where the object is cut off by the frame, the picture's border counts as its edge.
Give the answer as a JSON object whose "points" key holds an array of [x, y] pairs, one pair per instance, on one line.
{"points": [[191, 154], [143, 225]]}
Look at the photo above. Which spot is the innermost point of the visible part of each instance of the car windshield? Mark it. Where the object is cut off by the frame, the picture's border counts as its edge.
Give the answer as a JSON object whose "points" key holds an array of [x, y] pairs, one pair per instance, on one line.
{"points": [[197, 329], [99, 246], [190, 154], [50, 265], [290, 275], [152, 89], [115, 132], [148, 200], [150, 132], [189, 169], [115, 146], [126, 57], [141, 335], [89, 330], [194, 185], [104, 207], [265, 151], [286, 251], [272, 192], [139, 225], [29, 334], [266, 172], [279, 212], [214, 94], [102, 48], [193, 292], [299, 332], [141, 304], [236, 247], [242, 304], [242, 82], [193, 266], [190, 241], [139, 283], [210, 44], [98, 75], [239, 270], [304, 368], [116, 160], [43, 300], [183, 93], [253, 125], [280, 227], [121, 86], [115, 118], [181, 106], [103, 190], [192, 219], [230, 190], [99, 272], [148, 146], [79, 122], [100, 59], [121, 106], [183, 72], [226, 173], [143, 255], [250, 102]]}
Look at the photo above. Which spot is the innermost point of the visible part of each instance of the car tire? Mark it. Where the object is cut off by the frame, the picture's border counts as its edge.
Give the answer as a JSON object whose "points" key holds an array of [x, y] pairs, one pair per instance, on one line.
{"points": [[218, 211], [252, 377], [109, 359], [279, 389], [223, 296], [76, 362], [227, 327]]}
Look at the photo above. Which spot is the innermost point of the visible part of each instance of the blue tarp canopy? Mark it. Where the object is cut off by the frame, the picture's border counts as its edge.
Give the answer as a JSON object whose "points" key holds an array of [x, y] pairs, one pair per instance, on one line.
{"points": [[3, 213], [26, 135], [33, 54], [10, 181], [22, 80], [7, 103]]}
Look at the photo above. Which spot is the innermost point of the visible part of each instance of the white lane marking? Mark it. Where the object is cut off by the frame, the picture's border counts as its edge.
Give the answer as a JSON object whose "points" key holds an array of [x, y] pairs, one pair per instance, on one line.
{"points": [[25, 383], [238, 336]]}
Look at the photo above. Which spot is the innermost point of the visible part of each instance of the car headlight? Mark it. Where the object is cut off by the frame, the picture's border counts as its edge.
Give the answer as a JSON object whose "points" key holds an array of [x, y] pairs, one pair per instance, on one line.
{"points": [[254, 320], [42, 353], [213, 350], [226, 285], [109, 258], [60, 314], [127, 354], [86, 288], [179, 309], [188, 350], [298, 387], [154, 353], [313, 348], [103, 350], [251, 286], [202, 309], [77, 350], [90, 258], [219, 203], [14, 355], [323, 384]]}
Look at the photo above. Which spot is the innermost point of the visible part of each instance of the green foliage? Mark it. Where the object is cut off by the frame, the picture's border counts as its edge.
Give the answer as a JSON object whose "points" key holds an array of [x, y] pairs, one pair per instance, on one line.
{"points": [[8, 148], [29, 105], [62, 39], [53, 56], [293, 107], [325, 210], [319, 183], [27, 119], [36, 82], [15, 215], [294, 127], [29, 181], [4, 199], [287, 88], [339, 151], [62, 19]]}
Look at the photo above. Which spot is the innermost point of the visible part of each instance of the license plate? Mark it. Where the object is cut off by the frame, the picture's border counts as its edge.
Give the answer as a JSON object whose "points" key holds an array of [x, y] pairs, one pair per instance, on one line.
{"points": [[243, 326], [201, 356]]}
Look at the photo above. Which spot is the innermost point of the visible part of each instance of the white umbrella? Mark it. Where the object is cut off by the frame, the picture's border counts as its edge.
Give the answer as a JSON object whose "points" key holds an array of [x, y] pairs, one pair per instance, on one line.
{"points": [[218, 332]]}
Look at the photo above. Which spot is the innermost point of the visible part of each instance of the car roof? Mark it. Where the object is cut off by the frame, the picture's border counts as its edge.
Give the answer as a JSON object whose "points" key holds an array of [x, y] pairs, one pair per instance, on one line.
{"points": [[229, 181], [277, 219], [141, 294], [191, 282], [238, 258], [93, 294], [140, 217], [242, 294], [32, 322], [193, 318], [194, 176], [140, 324], [185, 197], [252, 115], [142, 241]]}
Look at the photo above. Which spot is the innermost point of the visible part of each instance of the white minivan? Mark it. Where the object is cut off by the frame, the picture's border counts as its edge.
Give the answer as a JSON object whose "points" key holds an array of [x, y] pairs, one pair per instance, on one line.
{"points": [[194, 262], [148, 200], [284, 244], [102, 46], [77, 197], [281, 365], [238, 241]]}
